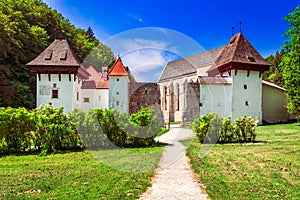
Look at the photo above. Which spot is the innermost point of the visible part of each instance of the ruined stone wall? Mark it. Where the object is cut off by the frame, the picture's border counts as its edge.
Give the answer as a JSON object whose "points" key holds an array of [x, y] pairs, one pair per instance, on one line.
{"points": [[192, 102], [142, 95]]}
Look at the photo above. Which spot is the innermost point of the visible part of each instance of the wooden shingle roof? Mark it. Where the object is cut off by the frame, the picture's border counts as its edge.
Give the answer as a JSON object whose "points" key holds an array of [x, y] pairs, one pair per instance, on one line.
{"points": [[58, 53], [189, 65], [239, 54], [58, 57]]}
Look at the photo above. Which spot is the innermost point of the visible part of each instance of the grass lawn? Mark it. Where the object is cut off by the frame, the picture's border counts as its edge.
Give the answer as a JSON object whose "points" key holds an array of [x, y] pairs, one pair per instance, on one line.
{"points": [[110, 174], [268, 169]]}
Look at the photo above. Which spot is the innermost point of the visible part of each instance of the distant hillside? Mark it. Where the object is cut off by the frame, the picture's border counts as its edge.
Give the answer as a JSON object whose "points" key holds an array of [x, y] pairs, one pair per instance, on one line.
{"points": [[27, 27]]}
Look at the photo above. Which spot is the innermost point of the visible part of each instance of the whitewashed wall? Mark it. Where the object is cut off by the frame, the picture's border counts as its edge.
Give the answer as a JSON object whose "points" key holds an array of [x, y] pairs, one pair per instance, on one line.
{"points": [[252, 95], [273, 105], [98, 98], [65, 91], [216, 98], [118, 91]]}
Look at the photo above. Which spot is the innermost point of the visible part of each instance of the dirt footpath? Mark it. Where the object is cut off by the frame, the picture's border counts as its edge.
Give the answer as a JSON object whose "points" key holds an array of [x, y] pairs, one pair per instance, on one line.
{"points": [[174, 178]]}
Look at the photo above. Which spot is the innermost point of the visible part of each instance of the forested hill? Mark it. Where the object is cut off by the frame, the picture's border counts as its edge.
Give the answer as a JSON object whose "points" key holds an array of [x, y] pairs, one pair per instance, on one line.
{"points": [[27, 27]]}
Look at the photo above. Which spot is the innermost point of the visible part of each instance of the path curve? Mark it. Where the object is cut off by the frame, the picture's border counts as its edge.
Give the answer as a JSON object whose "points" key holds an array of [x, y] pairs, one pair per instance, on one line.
{"points": [[174, 179]]}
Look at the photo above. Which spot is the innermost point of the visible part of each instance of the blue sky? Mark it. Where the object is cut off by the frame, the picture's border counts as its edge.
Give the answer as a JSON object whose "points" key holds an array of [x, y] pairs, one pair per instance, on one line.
{"points": [[189, 26]]}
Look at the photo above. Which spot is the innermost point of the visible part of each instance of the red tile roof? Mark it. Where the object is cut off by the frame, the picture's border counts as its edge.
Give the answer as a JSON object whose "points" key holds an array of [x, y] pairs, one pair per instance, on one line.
{"points": [[102, 84], [118, 69], [94, 75]]}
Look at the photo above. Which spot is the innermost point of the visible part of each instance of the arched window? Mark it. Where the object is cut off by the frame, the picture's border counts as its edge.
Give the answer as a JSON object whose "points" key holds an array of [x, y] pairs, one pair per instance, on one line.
{"points": [[177, 97], [164, 98]]}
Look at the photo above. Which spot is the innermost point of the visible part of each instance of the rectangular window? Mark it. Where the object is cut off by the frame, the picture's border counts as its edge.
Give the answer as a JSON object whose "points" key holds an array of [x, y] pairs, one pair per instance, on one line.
{"points": [[54, 93], [245, 87], [86, 100], [117, 103], [99, 98], [77, 96], [246, 103]]}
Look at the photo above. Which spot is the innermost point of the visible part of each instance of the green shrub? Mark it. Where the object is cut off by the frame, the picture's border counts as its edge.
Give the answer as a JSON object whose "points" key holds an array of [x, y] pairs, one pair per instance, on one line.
{"points": [[211, 128], [54, 129], [207, 127]]}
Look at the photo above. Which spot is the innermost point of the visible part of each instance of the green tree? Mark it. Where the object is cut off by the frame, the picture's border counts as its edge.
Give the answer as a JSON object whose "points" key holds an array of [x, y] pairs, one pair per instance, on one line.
{"points": [[275, 74], [27, 27], [291, 61]]}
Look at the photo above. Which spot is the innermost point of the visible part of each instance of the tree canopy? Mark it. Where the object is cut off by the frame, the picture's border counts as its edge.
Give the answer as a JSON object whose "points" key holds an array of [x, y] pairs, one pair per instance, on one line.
{"points": [[27, 27], [291, 61]]}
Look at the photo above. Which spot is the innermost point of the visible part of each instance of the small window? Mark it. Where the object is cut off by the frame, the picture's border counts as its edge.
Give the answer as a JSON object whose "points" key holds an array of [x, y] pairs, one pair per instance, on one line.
{"points": [[48, 55], [77, 96], [54, 93], [245, 87], [118, 79], [99, 98], [54, 85], [251, 59], [86, 100], [117, 93], [63, 55], [117, 103], [246, 103]]}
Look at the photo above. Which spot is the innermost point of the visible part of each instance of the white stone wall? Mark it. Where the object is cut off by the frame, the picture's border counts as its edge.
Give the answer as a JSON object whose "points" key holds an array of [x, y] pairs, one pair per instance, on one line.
{"points": [[216, 98], [273, 105], [98, 98], [118, 93], [247, 101], [65, 91]]}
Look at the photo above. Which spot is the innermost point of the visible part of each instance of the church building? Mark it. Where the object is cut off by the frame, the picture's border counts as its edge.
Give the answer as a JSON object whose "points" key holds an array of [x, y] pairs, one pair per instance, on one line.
{"points": [[226, 80]]}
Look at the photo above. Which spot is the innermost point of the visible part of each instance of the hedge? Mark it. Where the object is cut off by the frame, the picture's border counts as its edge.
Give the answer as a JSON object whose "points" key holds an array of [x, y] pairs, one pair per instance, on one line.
{"points": [[49, 129], [211, 128]]}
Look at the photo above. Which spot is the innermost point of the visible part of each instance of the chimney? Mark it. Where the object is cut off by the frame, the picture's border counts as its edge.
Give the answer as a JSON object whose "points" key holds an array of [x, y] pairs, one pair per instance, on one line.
{"points": [[104, 73]]}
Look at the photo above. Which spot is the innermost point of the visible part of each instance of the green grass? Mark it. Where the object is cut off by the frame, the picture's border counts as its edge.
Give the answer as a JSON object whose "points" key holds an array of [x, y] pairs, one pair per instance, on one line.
{"points": [[109, 174], [162, 131], [267, 169]]}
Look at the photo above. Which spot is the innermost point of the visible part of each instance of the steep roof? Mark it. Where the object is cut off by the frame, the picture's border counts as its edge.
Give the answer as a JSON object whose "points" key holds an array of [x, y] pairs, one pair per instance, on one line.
{"points": [[118, 69], [58, 53], [240, 52], [98, 80], [189, 65], [58, 57], [94, 75]]}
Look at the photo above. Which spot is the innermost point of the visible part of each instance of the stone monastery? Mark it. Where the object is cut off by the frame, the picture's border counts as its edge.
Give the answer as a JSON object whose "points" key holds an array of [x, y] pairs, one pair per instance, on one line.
{"points": [[226, 80]]}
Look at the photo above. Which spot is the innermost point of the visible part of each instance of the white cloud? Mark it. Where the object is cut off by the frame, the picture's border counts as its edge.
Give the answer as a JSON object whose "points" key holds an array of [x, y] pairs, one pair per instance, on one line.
{"points": [[143, 56], [135, 17]]}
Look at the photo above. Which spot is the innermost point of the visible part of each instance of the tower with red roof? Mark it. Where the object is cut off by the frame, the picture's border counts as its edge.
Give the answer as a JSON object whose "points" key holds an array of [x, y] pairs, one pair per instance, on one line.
{"points": [[118, 87]]}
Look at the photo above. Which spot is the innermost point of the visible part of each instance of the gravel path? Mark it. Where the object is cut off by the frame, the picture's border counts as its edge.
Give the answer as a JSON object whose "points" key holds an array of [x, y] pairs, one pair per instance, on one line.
{"points": [[174, 178]]}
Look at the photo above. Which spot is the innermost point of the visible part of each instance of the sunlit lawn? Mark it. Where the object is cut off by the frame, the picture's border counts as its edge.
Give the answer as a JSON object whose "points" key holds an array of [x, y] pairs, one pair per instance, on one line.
{"points": [[268, 169], [110, 174]]}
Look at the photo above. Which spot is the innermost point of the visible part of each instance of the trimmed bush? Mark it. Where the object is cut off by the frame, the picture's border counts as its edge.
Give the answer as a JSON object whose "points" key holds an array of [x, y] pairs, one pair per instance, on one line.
{"points": [[211, 128]]}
